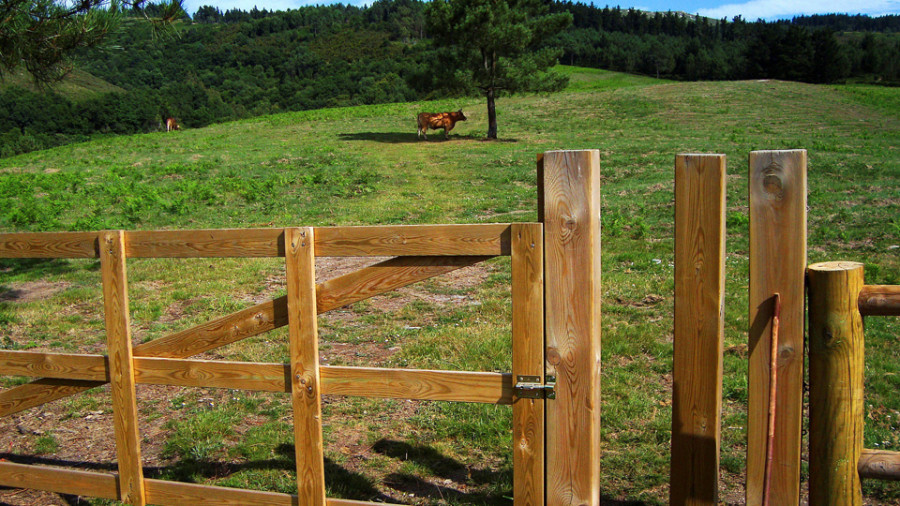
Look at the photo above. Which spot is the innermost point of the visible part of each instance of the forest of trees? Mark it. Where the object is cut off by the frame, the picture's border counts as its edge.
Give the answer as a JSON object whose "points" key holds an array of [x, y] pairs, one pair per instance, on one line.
{"points": [[236, 64]]}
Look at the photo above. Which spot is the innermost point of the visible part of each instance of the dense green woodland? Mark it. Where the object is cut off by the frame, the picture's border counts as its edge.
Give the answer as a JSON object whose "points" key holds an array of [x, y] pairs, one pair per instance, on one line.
{"points": [[237, 64]]}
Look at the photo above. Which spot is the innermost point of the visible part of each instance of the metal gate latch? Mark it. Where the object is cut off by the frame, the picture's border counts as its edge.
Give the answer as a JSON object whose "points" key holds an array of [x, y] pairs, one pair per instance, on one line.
{"points": [[530, 387]]}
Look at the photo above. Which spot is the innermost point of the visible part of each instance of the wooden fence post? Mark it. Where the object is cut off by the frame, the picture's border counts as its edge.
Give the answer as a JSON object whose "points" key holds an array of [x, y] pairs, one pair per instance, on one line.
{"points": [[699, 328], [777, 265], [121, 367], [571, 203], [528, 360], [836, 370], [300, 274]]}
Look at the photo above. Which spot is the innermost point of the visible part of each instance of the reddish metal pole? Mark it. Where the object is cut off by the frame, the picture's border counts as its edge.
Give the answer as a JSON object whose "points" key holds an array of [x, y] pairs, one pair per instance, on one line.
{"points": [[773, 391]]}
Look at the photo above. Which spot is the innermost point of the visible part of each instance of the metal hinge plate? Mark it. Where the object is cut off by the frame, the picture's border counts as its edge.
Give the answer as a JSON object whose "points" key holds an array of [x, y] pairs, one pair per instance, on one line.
{"points": [[530, 387]]}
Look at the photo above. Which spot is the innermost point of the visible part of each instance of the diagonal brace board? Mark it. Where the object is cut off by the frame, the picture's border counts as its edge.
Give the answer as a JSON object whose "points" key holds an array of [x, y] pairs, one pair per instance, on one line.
{"points": [[376, 279]]}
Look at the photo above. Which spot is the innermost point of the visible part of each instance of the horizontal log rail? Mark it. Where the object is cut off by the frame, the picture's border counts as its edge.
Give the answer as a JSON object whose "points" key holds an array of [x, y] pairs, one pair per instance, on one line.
{"points": [[879, 300], [401, 240], [106, 486], [879, 465], [417, 384]]}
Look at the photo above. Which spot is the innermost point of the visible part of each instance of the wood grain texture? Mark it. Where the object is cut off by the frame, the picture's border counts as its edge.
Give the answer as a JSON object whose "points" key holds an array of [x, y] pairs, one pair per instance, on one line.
{"points": [[61, 481], [777, 265], [121, 373], [572, 308], [219, 243], [49, 245], [413, 240], [880, 300], [406, 240], [170, 492], [105, 486], [836, 371], [373, 280], [879, 465], [456, 386], [300, 274], [260, 377], [55, 365], [459, 386], [528, 360], [699, 328]]}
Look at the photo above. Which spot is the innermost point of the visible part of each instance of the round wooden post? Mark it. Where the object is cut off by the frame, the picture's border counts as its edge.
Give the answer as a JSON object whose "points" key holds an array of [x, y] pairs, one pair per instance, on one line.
{"points": [[836, 366]]}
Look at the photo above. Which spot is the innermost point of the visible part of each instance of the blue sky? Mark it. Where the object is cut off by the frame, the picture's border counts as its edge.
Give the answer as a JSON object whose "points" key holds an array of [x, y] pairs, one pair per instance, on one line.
{"points": [[748, 9]]}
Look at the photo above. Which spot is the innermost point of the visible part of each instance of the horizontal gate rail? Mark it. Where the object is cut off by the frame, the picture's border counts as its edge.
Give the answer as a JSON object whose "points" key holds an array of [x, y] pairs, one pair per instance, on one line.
{"points": [[406, 240], [106, 486]]}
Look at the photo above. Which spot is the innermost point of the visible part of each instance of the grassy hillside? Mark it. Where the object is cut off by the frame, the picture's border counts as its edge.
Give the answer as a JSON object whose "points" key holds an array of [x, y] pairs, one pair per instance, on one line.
{"points": [[78, 85], [364, 165]]}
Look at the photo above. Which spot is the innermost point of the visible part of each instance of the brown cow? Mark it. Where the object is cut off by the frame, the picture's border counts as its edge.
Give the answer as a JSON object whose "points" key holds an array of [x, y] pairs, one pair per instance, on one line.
{"points": [[171, 124], [445, 120]]}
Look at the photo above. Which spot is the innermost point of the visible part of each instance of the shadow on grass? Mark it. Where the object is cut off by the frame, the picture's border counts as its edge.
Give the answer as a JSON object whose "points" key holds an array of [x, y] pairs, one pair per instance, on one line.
{"points": [[344, 483], [393, 137], [39, 268], [445, 468], [339, 481]]}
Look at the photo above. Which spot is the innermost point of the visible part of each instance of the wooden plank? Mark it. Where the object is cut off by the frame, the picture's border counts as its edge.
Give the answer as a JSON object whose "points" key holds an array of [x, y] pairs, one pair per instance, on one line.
{"points": [[699, 328], [118, 336], [300, 269], [49, 245], [836, 372], [54, 365], [337, 292], [777, 265], [418, 240], [61, 481], [170, 492], [373, 280], [106, 486], [458, 386], [879, 465], [880, 300], [260, 377], [572, 290], [406, 240], [221, 243], [528, 360]]}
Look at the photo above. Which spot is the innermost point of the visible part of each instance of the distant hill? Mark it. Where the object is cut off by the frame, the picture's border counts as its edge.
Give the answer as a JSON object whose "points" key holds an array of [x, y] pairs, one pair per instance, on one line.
{"points": [[77, 86]]}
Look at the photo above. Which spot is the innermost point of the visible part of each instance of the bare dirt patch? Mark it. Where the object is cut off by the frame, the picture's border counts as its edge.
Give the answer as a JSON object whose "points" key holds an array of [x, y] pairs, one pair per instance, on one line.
{"points": [[28, 291]]}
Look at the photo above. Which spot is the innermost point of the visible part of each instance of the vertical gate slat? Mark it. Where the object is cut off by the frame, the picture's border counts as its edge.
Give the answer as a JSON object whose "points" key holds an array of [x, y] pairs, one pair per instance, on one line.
{"points": [[124, 397], [777, 265], [699, 328], [305, 380], [528, 360], [572, 307]]}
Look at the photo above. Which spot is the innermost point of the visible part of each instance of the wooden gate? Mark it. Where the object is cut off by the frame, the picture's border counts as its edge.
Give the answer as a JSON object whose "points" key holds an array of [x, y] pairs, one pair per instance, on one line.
{"points": [[419, 252]]}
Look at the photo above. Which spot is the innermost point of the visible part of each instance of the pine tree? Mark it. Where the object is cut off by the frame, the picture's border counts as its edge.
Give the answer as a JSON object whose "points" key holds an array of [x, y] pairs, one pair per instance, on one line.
{"points": [[496, 43], [42, 35]]}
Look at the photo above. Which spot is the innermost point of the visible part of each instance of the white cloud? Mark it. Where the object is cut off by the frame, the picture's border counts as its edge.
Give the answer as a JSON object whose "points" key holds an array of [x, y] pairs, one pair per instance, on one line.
{"points": [[771, 9]]}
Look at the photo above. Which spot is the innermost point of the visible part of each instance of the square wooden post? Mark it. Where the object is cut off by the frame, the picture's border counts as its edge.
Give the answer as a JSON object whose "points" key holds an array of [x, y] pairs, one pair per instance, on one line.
{"points": [[777, 265], [571, 216], [699, 328], [121, 367], [300, 267], [528, 362]]}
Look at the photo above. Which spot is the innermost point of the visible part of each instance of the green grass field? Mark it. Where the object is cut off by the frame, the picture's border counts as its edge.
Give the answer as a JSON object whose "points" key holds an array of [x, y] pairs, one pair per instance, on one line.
{"points": [[364, 165]]}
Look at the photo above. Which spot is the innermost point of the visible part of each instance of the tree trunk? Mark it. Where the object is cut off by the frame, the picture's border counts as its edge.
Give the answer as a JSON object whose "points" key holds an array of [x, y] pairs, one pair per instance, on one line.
{"points": [[492, 114]]}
